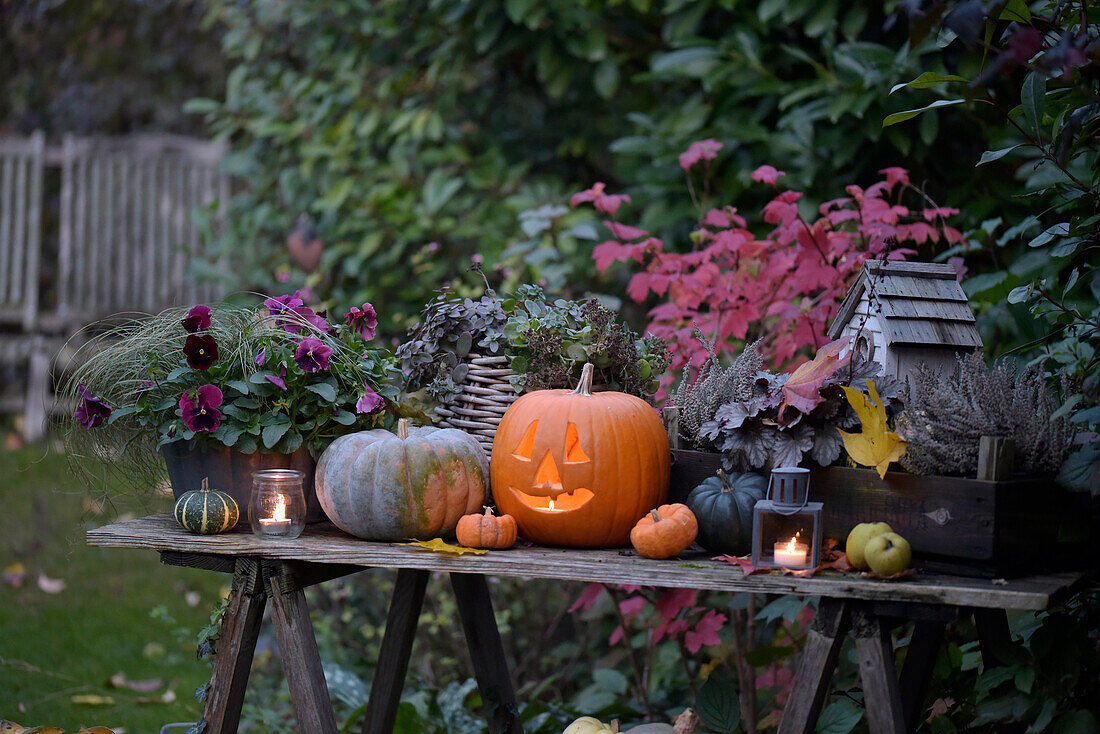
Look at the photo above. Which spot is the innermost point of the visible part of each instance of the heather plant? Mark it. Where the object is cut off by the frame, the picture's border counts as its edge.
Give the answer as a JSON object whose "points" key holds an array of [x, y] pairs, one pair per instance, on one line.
{"points": [[946, 416], [713, 386], [782, 288]]}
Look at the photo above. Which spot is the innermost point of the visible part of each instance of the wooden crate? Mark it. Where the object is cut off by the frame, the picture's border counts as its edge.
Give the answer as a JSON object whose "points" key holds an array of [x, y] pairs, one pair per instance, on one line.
{"points": [[955, 524]]}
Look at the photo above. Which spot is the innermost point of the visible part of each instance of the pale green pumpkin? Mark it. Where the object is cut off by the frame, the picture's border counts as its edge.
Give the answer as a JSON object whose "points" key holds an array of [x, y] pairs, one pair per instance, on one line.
{"points": [[415, 484]]}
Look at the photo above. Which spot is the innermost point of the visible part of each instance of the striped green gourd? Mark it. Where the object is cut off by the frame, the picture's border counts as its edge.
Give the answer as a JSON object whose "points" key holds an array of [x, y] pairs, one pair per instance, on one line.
{"points": [[206, 510]]}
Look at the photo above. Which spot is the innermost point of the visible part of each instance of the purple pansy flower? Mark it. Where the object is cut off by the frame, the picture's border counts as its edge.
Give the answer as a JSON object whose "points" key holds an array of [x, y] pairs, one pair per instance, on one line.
{"points": [[92, 412], [280, 305], [371, 402], [316, 320], [200, 408], [363, 320], [311, 355], [261, 357], [201, 351], [280, 381], [197, 319]]}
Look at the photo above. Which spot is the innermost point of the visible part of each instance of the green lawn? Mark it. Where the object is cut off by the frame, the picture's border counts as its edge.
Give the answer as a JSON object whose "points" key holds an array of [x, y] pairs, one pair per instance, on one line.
{"points": [[54, 646]]}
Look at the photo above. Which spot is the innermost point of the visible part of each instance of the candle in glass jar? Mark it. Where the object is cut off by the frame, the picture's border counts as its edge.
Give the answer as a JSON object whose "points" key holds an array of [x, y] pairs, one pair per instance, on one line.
{"points": [[278, 518], [791, 553]]}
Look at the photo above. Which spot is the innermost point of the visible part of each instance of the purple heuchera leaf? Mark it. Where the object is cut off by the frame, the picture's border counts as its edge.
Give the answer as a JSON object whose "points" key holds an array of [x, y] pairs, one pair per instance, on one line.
{"points": [[261, 357], [201, 351], [312, 355], [197, 319], [371, 402], [363, 321], [92, 412], [280, 381], [200, 408]]}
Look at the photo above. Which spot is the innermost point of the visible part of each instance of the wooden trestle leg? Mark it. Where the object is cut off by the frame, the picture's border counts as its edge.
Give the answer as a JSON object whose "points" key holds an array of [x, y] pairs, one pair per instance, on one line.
{"points": [[301, 660], [475, 607], [917, 671], [877, 672], [232, 664], [815, 672], [393, 660]]}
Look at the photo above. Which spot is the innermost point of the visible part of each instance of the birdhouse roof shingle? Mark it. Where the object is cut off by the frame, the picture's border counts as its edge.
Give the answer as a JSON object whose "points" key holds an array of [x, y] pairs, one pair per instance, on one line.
{"points": [[917, 304]]}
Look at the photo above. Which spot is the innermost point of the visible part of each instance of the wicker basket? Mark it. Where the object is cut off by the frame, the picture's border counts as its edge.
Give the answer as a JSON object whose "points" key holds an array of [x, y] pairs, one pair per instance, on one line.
{"points": [[480, 403]]}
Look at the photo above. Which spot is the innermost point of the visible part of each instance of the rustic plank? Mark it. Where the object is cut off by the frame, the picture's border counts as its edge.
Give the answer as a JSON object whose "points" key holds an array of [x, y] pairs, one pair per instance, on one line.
{"points": [[301, 661], [293, 576], [916, 673], [239, 631], [931, 332], [671, 416], [814, 677], [221, 564], [996, 455], [475, 608], [877, 673], [324, 543], [911, 308], [939, 271], [393, 659]]}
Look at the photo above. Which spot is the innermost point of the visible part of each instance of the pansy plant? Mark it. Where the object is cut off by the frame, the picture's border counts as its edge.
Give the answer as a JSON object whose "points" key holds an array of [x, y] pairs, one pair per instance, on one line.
{"points": [[271, 378]]}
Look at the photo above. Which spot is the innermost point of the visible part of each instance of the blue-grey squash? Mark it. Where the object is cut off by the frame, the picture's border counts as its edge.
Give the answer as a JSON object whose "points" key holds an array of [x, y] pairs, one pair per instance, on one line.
{"points": [[723, 507]]}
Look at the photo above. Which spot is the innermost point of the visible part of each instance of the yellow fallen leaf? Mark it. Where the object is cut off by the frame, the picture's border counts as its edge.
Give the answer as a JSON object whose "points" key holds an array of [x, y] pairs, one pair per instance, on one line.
{"points": [[439, 546], [87, 699], [876, 446]]}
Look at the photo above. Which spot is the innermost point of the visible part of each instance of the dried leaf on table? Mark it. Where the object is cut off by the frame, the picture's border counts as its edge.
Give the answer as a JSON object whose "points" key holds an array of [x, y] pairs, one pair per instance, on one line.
{"points": [[745, 564], [843, 564], [906, 574], [438, 545], [877, 445]]}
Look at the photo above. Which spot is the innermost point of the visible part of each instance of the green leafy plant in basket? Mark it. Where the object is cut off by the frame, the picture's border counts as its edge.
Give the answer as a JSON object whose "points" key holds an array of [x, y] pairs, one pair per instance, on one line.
{"points": [[270, 378], [545, 342]]}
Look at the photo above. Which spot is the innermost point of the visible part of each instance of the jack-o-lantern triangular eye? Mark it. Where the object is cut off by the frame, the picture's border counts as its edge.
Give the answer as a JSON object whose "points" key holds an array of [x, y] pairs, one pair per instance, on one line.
{"points": [[574, 454], [527, 443]]}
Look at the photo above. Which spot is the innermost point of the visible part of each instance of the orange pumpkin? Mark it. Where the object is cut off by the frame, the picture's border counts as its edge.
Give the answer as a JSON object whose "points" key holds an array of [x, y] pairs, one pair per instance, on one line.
{"points": [[577, 468], [665, 532], [487, 530]]}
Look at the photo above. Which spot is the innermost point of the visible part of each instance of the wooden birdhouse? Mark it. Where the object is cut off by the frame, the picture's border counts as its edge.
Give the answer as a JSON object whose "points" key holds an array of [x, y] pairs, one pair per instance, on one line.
{"points": [[902, 314]]}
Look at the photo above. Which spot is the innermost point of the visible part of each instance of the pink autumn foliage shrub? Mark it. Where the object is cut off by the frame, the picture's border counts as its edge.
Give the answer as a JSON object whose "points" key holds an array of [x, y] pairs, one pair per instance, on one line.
{"points": [[672, 615], [784, 286]]}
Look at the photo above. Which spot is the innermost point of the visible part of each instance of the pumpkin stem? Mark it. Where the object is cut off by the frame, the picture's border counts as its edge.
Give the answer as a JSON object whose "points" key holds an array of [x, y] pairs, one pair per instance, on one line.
{"points": [[725, 480], [402, 428], [584, 387], [488, 511], [656, 517], [206, 484]]}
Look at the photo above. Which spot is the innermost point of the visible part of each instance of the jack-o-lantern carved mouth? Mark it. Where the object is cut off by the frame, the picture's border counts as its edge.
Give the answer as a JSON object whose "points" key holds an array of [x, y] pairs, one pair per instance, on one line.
{"points": [[547, 493], [561, 501]]}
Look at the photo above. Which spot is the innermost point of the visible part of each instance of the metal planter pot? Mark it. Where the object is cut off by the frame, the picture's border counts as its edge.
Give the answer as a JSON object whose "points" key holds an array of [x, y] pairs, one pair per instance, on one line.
{"points": [[231, 472]]}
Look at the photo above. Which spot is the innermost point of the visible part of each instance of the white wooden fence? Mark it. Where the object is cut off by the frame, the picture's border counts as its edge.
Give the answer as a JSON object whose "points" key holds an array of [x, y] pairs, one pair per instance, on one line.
{"points": [[121, 239]]}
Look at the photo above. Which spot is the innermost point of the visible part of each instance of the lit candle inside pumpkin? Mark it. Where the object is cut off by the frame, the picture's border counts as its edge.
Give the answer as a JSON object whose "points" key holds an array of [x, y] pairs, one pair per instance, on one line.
{"points": [[278, 518], [550, 507], [791, 553]]}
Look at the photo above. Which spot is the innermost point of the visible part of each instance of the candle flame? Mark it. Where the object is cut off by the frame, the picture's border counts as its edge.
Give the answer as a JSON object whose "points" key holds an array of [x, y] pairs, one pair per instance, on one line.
{"points": [[551, 506], [792, 543], [280, 509]]}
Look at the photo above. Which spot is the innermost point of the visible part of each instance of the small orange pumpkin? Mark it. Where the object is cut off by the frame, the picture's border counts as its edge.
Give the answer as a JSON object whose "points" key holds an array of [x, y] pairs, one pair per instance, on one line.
{"points": [[665, 532], [486, 530]]}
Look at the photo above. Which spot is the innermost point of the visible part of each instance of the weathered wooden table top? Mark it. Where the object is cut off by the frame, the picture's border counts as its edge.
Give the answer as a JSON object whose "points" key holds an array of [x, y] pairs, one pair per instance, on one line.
{"points": [[324, 543]]}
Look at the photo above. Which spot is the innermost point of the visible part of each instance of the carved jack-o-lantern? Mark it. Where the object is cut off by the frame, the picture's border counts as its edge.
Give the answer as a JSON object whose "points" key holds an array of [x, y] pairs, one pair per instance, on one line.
{"points": [[577, 468]]}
